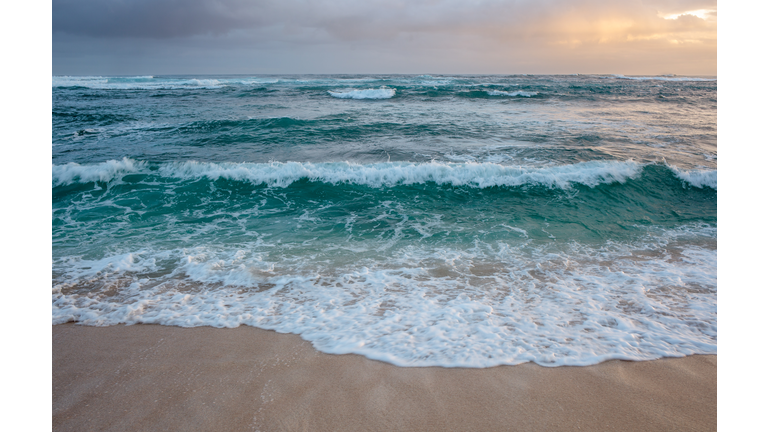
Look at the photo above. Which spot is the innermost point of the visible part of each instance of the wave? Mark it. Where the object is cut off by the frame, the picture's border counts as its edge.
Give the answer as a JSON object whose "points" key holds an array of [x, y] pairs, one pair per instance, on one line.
{"points": [[472, 174], [515, 93], [283, 174], [479, 175], [102, 172], [383, 93], [664, 78], [697, 178], [153, 83], [85, 117]]}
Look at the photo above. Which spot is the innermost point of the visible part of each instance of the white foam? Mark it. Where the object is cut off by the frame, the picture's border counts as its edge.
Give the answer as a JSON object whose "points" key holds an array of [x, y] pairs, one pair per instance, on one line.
{"points": [[512, 94], [68, 81], [103, 172], [479, 175], [382, 93], [697, 178], [283, 174], [135, 83], [388, 174], [578, 305], [664, 78], [153, 83]]}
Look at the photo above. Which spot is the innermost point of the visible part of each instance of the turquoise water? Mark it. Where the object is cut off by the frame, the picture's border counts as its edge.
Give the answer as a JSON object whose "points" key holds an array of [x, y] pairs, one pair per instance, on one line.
{"points": [[420, 220]]}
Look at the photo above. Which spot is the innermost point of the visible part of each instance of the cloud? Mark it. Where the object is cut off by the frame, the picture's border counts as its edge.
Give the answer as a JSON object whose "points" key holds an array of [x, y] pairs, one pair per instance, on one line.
{"points": [[534, 32], [353, 20], [154, 18]]}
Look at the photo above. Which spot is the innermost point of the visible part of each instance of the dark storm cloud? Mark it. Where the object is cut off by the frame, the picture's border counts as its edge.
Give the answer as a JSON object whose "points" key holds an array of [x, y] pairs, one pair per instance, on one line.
{"points": [[155, 18]]}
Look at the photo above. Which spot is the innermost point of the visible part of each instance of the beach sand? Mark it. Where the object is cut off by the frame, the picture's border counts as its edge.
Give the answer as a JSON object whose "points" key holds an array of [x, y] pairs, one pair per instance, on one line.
{"points": [[149, 377]]}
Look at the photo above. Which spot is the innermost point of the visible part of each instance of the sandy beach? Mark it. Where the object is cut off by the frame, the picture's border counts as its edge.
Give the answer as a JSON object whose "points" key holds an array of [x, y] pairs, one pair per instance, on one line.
{"points": [[148, 377]]}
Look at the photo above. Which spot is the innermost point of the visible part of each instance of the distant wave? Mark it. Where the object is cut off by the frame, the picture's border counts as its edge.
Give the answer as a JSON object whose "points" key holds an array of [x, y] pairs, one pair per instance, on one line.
{"points": [[383, 93], [151, 82], [514, 93], [664, 78]]}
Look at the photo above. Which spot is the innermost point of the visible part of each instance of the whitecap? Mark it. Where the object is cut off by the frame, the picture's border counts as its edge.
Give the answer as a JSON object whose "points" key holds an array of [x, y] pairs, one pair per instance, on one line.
{"points": [[382, 93], [663, 78], [514, 93], [103, 172], [697, 178], [479, 175]]}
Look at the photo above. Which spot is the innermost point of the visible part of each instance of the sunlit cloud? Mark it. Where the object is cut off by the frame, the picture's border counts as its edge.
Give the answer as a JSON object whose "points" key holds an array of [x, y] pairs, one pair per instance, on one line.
{"points": [[699, 13]]}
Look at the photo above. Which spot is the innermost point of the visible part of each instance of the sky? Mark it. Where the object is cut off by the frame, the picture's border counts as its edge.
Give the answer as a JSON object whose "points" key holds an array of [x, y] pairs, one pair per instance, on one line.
{"points": [[156, 37]]}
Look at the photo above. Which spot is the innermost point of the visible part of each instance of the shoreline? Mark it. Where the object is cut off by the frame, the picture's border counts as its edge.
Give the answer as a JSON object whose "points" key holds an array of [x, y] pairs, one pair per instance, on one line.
{"points": [[152, 377]]}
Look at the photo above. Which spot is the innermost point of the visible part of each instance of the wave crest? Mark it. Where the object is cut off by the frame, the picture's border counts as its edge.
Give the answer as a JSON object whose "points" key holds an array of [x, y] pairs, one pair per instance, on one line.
{"points": [[102, 172], [480, 175], [514, 93], [664, 78], [382, 93], [387, 174], [697, 178]]}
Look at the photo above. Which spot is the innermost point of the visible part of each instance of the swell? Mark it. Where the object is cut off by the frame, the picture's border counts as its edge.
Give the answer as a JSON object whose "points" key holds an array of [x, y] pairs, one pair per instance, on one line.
{"points": [[291, 130], [91, 118], [254, 125]]}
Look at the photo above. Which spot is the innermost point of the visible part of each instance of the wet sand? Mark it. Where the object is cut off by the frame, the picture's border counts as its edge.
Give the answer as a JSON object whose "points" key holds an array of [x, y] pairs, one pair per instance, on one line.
{"points": [[147, 377]]}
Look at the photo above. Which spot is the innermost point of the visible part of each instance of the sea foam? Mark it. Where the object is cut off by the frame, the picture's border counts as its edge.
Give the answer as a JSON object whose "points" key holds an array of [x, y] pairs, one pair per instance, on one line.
{"points": [[514, 93], [154, 83], [576, 306], [697, 178], [480, 175], [388, 174], [382, 93], [102, 172]]}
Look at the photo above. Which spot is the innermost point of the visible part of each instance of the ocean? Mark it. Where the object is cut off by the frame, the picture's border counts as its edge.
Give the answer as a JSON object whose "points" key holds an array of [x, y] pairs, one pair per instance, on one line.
{"points": [[457, 221]]}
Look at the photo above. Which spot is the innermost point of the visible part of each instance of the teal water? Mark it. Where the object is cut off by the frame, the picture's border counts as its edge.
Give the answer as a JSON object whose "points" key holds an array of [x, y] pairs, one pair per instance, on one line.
{"points": [[420, 220]]}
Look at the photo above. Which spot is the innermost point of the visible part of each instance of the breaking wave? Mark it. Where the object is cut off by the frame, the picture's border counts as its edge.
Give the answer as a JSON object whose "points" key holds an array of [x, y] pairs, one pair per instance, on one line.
{"points": [[282, 174], [384, 93], [698, 178], [664, 78], [514, 93]]}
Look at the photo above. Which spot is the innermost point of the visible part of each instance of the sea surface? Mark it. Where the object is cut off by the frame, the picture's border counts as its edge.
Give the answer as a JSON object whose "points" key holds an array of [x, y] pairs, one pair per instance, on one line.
{"points": [[424, 220]]}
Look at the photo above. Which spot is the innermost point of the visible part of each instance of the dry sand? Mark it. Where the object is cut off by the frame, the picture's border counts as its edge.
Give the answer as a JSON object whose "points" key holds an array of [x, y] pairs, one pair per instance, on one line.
{"points": [[146, 378]]}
